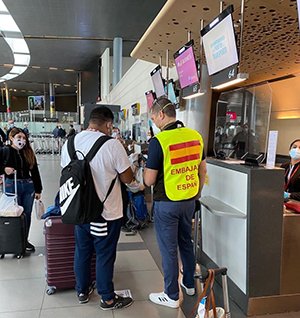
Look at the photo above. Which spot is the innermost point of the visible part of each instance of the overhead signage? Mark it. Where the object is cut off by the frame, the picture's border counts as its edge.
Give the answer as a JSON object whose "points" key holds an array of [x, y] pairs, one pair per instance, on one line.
{"points": [[225, 76], [135, 108]]}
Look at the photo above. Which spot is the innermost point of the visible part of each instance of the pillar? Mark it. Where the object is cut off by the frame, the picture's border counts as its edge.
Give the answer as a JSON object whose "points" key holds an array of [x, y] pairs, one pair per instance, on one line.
{"points": [[117, 60], [7, 96], [52, 102]]}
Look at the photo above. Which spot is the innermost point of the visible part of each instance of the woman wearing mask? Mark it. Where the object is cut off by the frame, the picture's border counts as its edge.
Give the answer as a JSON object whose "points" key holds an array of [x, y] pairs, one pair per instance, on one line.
{"points": [[19, 156], [292, 173]]}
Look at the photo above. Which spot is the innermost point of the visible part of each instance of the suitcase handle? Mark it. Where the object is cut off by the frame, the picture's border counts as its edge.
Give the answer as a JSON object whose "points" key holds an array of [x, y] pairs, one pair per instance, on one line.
{"points": [[15, 181], [218, 271]]}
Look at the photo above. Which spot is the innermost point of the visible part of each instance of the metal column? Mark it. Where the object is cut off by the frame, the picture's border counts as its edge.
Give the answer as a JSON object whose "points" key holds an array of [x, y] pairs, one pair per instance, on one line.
{"points": [[78, 119], [117, 61], [7, 95]]}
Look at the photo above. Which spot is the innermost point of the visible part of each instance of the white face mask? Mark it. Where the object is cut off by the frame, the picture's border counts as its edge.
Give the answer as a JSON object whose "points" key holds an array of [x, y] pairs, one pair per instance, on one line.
{"points": [[114, 134], [19, 143], [295, 153]]}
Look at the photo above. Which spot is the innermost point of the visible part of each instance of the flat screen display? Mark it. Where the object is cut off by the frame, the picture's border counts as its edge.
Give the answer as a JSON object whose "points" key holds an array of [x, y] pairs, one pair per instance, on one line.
{"points": [[186, 68], [150, 99], [36, 102], [220, 46], [158, 82], [171, 93]]}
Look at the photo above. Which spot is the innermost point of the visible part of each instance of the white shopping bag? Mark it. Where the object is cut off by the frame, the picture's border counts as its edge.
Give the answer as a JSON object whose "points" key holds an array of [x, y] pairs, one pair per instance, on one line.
{"points": [[39, 208]]}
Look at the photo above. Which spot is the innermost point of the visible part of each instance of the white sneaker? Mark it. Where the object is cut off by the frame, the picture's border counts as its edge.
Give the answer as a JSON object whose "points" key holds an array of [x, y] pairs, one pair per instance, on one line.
{"points": [[189, 291], [164, 300]]}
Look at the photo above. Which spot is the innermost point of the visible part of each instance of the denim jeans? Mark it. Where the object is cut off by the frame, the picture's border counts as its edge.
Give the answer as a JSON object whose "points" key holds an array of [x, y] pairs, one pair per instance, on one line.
{"points": [[25, 190], [173, 226]]}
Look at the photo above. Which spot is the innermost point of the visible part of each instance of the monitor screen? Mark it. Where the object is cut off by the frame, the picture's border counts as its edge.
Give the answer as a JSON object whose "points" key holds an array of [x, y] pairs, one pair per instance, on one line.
{"points": [[158, 82], [171, 93], [36, 102], [186, 67], [220, 46], [150, 98]]}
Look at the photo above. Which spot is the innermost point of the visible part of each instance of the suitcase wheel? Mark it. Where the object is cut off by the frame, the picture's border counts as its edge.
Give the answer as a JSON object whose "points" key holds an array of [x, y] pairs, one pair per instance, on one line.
{"points": [[20, 256], [51, 291], [1, 256]]}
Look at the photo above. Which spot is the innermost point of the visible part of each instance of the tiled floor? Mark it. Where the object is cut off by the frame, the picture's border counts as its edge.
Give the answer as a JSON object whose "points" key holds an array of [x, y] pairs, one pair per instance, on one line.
{"points": [[138, 268]]}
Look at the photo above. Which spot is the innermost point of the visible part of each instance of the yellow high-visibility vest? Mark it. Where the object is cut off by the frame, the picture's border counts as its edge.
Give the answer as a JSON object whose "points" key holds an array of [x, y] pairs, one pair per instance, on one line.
{"points": [[182, 150]]}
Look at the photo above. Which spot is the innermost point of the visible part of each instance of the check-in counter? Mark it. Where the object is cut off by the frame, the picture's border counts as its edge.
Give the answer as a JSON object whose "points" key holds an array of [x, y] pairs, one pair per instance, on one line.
{"points": [[244, 229]]}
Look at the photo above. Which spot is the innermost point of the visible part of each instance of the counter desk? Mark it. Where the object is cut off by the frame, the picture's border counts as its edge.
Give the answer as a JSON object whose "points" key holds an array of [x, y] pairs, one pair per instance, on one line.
{"points": [[243, 228]]}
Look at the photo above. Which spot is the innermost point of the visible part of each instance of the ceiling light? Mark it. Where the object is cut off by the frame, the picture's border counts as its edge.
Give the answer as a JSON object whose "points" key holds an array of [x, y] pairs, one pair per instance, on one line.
{"points": [[36, 67], [15, 90], [18, 69], [9, 76], [7, 23], [17, 45], [8, 65], [53, 68], [67, 85], [69, 70], [199, 93], [240, 78], [22, 59]]}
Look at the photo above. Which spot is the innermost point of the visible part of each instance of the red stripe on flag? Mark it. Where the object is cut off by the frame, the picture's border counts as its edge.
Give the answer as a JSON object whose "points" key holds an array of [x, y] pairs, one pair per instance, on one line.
{"points": [[185, 158], [184, 145]]}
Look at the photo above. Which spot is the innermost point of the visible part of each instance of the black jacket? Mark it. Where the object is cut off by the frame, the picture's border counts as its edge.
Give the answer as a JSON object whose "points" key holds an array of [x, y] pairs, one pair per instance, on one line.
{"points": [[294, 185], [17, 161]]}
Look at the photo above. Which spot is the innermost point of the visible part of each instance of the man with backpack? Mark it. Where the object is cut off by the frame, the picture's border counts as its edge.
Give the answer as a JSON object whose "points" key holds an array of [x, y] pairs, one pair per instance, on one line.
{"points": [[108, 166]]}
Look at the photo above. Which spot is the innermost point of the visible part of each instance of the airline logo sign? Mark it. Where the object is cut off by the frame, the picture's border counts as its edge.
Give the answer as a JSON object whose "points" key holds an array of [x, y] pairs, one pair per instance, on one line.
{"points": [[67, 192], [184, 152]]}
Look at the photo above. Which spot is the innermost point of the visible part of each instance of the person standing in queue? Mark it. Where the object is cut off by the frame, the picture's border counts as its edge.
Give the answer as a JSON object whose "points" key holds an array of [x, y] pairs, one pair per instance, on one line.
{"points": [[177, 167], [19, 156], [101, 234], [292, 173]]}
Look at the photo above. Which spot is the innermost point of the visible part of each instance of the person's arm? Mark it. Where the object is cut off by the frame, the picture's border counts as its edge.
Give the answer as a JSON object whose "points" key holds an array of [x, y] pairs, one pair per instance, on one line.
{"points": [[36, 178], [202, 170], [126, 176], [295, 196], [150, 176]]}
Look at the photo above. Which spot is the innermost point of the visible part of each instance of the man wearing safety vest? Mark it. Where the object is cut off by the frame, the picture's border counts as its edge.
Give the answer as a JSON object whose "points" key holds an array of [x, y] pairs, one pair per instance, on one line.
{"points": [[176, 165]]}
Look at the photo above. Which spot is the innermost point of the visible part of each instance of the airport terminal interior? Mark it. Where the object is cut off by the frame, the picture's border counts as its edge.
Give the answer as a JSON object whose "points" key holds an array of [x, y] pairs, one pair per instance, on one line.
{"points": [[231, 71]]}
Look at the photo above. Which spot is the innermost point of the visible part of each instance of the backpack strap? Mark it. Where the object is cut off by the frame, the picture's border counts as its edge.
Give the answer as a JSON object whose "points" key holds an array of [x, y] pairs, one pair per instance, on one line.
{"points": [[6, 153], [91, 154], [71, 147]]}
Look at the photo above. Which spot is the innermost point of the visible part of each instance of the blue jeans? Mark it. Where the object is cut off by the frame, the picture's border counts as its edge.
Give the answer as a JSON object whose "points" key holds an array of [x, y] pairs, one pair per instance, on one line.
{"points": [[25, 190], [101, 236], [173, 226]]}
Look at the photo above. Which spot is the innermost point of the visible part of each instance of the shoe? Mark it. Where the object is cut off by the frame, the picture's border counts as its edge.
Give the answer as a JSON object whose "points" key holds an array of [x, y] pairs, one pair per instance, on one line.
{"points": [[84, 297], [125, 229], [29, 247], [164, 300], [119, 302], [189, 291]]}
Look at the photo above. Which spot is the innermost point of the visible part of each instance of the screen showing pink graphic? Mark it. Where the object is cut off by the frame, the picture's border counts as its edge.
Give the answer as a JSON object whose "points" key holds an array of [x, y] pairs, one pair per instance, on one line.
{"points": [[186, 68], [231, 115], [150, 99]]}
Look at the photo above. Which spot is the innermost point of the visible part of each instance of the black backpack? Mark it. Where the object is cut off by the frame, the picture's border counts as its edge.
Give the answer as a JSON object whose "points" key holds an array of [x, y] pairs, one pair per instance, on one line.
{"points": [[78, 199]]}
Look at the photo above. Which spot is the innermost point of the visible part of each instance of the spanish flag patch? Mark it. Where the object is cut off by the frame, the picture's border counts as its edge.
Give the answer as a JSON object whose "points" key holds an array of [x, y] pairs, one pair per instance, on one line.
{"points": [[185, 151]]}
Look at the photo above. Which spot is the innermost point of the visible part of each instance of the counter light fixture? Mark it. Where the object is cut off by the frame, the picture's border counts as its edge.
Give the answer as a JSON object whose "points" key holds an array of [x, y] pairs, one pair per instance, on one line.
{"points": [[199, 93], [240, 78]]}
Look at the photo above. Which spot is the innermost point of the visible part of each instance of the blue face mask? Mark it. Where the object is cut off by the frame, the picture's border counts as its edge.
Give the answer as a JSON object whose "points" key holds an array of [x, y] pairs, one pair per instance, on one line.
{"points": [[295, 153], [12, 125]]}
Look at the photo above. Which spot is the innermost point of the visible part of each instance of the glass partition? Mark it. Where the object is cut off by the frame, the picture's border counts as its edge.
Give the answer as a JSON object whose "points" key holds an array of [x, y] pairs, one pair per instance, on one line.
{"points": [[242, 122]]}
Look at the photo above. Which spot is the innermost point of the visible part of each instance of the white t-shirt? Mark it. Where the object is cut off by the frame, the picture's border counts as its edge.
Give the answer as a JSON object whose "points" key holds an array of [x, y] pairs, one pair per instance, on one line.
{"points": [[109, 161]]}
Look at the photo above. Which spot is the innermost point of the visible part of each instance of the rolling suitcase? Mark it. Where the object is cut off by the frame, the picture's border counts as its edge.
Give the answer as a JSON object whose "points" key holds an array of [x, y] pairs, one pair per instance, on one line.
{"points": [[13, 235], [13, 230], [60, 248]]}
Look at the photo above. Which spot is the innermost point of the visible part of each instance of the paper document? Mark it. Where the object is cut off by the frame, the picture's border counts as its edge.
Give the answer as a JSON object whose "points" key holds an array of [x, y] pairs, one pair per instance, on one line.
{"points": [[124, 293]]}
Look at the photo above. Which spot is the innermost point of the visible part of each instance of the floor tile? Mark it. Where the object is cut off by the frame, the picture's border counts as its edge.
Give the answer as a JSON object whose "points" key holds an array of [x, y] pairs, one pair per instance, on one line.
{"points": [[82, 311], [25, 268], [140, 283], [23, 294], [146, 309], [21, 314], [129, 261]]}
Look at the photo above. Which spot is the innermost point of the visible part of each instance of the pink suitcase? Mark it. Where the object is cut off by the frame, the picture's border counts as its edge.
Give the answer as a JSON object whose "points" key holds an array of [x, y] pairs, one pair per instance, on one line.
{"points": [[60, 248]]}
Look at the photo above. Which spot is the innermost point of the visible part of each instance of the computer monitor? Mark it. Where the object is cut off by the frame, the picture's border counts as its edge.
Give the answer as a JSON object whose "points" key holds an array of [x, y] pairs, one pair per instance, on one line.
{"points": [[219, 42], [171, 93], [150, 96], [157, 81], [186, 65]]}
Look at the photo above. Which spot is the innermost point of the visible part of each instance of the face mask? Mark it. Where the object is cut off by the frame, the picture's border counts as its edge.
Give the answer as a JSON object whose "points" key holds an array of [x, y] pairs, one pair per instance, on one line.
{"points": [[114, 134], [19, 143], [295, 153], [12, 125], [148, 137]]}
